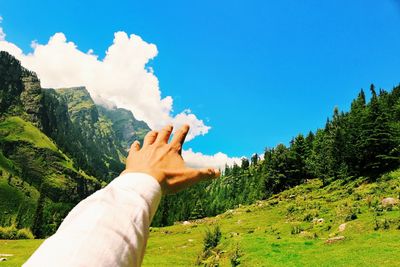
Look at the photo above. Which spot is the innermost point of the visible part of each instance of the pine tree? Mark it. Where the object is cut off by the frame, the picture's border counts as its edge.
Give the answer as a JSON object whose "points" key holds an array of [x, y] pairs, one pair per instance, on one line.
{"points": [[37, 228]]}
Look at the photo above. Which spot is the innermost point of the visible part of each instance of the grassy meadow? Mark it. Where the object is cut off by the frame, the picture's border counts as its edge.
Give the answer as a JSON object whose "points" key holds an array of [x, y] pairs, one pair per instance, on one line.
{"points": [[282, 230]]}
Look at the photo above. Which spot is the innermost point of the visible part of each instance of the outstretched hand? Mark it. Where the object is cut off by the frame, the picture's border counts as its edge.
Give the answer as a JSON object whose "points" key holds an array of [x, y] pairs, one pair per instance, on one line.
{"points": [[164, 161]]}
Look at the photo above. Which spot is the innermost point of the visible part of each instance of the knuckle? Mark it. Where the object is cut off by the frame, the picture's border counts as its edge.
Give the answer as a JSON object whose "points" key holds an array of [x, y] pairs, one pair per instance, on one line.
{"points": [[149, 134], [176, 147]]}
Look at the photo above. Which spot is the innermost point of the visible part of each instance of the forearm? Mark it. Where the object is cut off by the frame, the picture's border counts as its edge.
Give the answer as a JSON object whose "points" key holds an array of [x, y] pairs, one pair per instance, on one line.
{"points": [[109, 228]]}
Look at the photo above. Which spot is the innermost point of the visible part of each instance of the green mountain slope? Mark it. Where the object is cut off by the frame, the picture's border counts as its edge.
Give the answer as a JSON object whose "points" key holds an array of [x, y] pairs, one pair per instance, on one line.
{"points": [[32, 167], [308, 225], [126, 127], [342, 224], [53, 143]]}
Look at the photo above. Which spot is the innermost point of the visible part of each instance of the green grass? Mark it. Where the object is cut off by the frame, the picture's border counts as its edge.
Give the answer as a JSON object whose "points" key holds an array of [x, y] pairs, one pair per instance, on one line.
{"points": [[14, 129], [20, 249], [264, 231]]}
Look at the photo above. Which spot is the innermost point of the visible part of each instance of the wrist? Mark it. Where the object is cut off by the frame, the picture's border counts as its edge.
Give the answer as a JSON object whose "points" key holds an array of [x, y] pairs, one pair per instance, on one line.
{"points": [[158, 176]]}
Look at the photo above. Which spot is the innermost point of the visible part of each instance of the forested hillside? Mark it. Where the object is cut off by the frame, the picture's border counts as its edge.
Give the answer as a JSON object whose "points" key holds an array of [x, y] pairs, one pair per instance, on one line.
{"points": [[363, 142], [56, 148]]}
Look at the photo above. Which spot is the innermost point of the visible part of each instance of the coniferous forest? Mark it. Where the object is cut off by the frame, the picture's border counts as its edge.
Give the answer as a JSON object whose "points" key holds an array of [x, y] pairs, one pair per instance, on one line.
{"points": [[364, 141]]}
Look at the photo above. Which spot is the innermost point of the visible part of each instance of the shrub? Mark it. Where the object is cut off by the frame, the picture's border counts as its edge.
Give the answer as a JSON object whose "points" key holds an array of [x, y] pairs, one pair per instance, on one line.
{"points": [[309, 216], [8, 232], [291, 209], [235, 256], [351, 216], [11, 232], [24, 233], [210, 255], [386, 224], [296, 229], [212, 238]]}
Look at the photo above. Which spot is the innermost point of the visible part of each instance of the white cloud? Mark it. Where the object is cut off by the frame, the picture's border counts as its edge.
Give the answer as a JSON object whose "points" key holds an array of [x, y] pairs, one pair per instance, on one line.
{"points": [[199, 160], [2, 34], [121, 77]]}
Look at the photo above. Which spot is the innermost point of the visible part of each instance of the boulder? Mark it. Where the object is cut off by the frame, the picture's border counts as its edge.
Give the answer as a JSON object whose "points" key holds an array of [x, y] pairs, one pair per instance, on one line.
{"points": [[389, 201], [335, 239], [342, 227]]}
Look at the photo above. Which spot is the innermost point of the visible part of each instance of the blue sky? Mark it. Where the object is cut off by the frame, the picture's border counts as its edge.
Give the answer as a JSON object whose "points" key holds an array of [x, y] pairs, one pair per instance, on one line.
{"points": [[257, 72]]}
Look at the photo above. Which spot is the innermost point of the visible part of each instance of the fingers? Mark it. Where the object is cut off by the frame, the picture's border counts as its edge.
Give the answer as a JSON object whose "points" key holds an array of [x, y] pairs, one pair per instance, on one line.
{"points": [[135, 146], [190, 177], [179, 137], [164, 134], [150, 138]]}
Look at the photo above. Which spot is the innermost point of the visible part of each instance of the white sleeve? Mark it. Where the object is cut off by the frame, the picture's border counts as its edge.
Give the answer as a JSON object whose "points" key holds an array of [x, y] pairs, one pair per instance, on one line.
{"points": [[109, 228]]}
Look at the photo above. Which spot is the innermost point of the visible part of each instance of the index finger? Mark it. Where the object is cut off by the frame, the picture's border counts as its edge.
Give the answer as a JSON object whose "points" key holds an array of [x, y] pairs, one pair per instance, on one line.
{"points": [[179, 136]]}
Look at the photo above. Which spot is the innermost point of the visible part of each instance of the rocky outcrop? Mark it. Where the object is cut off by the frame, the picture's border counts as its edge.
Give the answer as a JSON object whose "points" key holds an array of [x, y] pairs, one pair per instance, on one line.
{"points": [[31, 99], [10, 82], [126, 127]]}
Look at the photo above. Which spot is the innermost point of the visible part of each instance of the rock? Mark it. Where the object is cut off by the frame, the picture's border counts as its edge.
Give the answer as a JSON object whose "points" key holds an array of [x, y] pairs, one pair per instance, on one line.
{"points": [[389, 201], [335, 239], [342, 227], [186, 223], [229, 212]]}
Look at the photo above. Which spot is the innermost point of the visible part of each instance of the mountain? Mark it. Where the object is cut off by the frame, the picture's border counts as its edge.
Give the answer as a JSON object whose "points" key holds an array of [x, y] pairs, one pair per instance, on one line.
{"points": [[56, 147], [126, 127]]}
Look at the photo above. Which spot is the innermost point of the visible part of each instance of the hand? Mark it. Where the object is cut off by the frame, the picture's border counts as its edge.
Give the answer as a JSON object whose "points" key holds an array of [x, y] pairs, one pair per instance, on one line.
{"points": [[164, 162]]}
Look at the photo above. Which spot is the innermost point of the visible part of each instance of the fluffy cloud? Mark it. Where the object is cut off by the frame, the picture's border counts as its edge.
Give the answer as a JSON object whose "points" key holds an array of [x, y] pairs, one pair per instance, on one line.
{"points": [[2, 34], [199, 160], [121, 78]]}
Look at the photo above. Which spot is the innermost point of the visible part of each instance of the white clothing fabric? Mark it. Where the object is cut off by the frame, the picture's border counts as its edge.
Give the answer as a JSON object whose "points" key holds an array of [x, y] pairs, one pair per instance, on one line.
{"points": [[108, 228]]}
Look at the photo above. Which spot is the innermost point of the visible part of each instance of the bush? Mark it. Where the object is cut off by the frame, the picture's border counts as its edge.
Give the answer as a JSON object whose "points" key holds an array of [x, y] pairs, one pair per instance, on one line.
{"points": [[212, 238], [11, 232], [24, 233], [235, 256], [308, 217], [210, 255], [351, 216], [8, 232], [291, 209], [296, 229]]}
